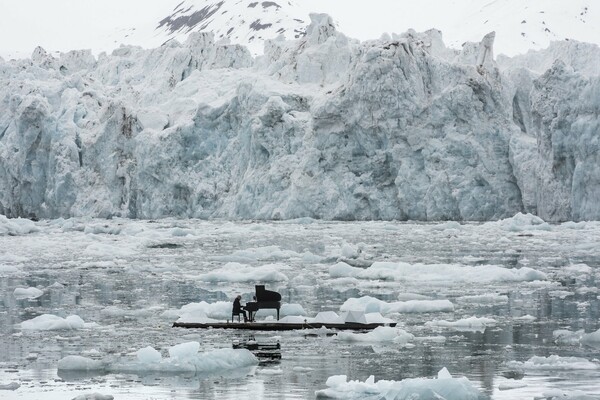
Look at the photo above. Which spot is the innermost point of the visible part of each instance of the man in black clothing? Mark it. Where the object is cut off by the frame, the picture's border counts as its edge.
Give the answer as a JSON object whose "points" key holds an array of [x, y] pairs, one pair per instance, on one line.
{"points": [[238, 309]]}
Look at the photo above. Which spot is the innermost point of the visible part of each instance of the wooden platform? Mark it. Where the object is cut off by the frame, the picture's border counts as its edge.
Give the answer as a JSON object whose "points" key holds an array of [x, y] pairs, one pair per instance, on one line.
{"points": [[275, 326]]}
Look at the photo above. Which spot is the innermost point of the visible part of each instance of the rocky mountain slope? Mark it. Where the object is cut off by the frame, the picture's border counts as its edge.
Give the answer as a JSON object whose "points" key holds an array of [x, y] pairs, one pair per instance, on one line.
{"points": [[322, 126]]}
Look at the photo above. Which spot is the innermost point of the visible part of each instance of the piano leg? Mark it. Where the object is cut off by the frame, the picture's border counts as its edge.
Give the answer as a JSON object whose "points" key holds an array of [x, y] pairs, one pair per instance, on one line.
{"points": [[278, 314]]}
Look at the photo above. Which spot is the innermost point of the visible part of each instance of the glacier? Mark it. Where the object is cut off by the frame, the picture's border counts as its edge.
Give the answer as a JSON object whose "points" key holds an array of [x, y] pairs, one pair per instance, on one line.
{"points": [[326, 127]]}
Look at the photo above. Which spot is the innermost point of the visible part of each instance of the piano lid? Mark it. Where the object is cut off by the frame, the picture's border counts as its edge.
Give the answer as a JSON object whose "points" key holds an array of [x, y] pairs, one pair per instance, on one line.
{"points": [[266, 295]]}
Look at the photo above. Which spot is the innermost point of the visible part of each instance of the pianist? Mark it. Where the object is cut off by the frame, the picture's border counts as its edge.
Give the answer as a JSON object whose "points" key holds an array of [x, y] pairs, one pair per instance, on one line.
{"points": [[238, 309]]}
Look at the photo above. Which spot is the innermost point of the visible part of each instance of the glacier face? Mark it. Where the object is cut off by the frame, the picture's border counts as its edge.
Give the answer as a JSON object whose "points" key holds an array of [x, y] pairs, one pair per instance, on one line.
{"points": [[324, 127]]}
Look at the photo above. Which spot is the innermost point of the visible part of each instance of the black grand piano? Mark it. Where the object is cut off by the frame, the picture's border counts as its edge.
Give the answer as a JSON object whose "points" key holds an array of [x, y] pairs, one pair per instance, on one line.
{"points": [[265, 299]]}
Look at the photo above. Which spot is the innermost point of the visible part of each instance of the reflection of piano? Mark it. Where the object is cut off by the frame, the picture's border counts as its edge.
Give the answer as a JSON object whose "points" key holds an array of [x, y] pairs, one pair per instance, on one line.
{"points": [[265, 299]]}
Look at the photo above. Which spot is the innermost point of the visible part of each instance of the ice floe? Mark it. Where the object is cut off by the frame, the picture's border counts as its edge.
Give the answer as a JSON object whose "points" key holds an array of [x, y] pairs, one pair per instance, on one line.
{"points": [[471, 323], [183, 357], [444, 387], [379, 334], [49, 322], [370, 304], [554, 362], [441, 274], [27, 293], [235, 272], [16, 226]]}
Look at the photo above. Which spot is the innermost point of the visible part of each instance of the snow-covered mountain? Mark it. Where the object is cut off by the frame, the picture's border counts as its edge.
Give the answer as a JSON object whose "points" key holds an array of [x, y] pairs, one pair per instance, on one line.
{"points": [[322, 126], [63, 25]]}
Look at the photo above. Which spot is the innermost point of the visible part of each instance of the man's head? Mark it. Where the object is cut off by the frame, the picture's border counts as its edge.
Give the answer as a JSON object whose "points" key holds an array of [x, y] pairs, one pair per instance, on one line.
{"points": [[239, 297]]}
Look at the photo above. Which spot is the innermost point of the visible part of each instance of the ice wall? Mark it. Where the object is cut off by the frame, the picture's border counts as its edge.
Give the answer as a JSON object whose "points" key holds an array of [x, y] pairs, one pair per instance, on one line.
{"points": [[323, 127]]}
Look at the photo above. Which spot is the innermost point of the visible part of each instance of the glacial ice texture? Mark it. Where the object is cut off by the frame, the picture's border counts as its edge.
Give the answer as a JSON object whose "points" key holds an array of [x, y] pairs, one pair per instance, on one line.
{"points": [[323, 127]]}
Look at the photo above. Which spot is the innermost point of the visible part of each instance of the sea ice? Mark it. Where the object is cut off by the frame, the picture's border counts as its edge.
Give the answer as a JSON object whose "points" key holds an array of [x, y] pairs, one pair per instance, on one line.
{"points": [[49, 322], [471, 323], [443, 388], [235, 272], [554, 362], [438, 274], [27, 293], [183, 358], [370, 304], [379, 334], [16, 226], [10, 386], [94, 396]]}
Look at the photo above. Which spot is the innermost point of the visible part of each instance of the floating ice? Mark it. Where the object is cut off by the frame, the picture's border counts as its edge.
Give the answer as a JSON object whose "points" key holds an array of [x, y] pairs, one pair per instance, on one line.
{"points": [[184, 350], [471, 323], [79, 363], [443, 388], [554, 362], [370, 304], [379, 334], [10, 386], [591, 338], [94, 396], [256, 254], [183, 358], [235, 272], [438, 274], [27, 293], [16, 227], [490, 298], [49, 322], [510, 384], [522, 222], [149, 355]]}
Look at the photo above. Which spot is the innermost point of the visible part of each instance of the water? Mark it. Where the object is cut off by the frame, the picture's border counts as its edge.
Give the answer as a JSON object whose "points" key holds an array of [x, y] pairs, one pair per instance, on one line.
{"points": [[125, 279]]}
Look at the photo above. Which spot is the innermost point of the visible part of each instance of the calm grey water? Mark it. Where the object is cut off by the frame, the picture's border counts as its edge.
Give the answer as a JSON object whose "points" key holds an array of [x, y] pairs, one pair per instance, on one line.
{"points": [[124, 269]]}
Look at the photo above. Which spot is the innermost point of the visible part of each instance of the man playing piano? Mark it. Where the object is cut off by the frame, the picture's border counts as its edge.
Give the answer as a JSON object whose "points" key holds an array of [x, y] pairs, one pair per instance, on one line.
{"points": [[238, 309]]}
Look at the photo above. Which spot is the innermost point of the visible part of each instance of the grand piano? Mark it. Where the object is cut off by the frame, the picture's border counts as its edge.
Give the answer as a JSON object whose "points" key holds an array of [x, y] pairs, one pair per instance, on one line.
{"points": [[264, 299]]}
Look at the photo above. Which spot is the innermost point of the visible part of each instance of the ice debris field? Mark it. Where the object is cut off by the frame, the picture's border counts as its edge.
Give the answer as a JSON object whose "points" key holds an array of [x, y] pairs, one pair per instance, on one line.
{"points": [[500, 310]]}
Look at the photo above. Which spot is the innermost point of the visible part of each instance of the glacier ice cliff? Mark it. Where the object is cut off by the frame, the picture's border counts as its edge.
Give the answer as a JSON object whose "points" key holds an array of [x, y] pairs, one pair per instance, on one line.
{"points": [[324, 127]]}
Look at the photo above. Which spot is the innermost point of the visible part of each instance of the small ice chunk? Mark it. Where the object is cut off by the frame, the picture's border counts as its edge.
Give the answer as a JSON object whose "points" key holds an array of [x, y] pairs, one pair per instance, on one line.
{"points": [[148, 355], [184, 350], [27, 293], [94, 396], [444, 374], [79, 363], [10, 386], [49, 322]]}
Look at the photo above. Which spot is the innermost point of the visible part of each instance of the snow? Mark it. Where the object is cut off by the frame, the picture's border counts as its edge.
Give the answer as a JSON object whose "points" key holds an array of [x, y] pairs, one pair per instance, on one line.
{"points": [[49, 322], [444, 387], [27, 293], [555, 363], [519, 26]]}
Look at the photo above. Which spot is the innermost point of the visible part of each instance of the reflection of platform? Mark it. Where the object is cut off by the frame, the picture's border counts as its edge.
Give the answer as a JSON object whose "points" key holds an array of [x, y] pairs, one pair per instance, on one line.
{"points": [[275, 326]]}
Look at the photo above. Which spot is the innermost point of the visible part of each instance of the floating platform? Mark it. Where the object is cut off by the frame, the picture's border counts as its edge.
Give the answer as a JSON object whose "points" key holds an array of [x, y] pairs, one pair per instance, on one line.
{"points": [[276, 326]]}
